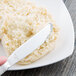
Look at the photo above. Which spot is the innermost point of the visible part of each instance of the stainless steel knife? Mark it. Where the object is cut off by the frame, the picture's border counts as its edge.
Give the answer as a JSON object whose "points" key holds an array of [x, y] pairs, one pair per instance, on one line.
{"points": [[28, 47]]}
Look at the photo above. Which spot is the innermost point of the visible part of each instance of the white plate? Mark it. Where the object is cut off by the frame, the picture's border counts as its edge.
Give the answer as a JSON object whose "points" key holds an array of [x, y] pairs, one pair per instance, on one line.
{"points": [[65, 43]]}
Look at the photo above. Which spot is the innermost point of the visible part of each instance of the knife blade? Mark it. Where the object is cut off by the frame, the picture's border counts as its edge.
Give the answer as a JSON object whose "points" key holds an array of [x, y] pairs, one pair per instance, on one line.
{"points": [[27, 48]]}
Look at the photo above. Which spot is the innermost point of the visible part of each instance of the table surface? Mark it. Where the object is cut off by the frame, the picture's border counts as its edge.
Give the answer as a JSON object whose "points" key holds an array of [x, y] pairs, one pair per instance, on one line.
{"points": [[65, 67]]}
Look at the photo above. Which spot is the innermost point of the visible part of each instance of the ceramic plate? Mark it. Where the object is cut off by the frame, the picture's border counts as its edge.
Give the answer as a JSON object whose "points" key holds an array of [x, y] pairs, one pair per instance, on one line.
{"points": [[65, 43]]}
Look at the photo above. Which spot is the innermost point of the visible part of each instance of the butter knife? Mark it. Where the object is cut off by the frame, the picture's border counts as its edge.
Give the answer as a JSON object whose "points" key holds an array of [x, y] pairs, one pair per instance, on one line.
{"points": [[27, 48]]}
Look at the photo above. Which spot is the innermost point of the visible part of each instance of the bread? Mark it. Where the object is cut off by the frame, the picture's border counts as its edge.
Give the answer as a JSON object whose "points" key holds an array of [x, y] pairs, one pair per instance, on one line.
{"points": [[20, 22]]}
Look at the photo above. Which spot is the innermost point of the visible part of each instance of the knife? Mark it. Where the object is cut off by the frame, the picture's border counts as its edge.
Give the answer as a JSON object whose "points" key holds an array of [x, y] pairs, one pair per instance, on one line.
{"points": [[27, 48]]}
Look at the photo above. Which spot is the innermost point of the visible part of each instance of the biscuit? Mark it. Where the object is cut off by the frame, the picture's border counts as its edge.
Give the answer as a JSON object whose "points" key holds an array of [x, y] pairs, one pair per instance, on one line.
{"points": [[21, 22]]}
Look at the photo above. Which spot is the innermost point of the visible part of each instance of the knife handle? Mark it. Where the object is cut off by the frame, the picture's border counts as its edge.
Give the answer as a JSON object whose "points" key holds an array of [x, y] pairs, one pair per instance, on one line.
{"points": [[4, 68]]}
